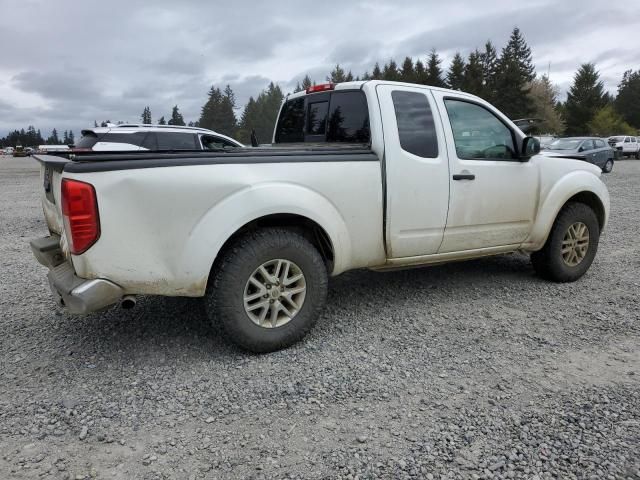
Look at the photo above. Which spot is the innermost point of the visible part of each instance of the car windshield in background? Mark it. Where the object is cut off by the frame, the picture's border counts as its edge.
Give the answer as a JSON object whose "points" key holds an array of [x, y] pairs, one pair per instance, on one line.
{"points": [[616, 139], [565, 144]]}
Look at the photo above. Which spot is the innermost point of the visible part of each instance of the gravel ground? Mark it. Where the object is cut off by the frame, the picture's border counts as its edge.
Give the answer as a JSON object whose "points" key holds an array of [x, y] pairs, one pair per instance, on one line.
{"points": [[470, 370]]}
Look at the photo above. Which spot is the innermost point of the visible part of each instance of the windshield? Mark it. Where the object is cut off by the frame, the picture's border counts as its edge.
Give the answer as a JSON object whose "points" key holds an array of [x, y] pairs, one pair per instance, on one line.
{"points": [[565, 144], [616, 139]]}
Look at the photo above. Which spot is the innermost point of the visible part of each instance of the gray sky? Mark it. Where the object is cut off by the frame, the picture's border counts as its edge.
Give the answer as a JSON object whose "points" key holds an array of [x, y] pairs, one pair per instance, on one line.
{"points": [[65, 63]]}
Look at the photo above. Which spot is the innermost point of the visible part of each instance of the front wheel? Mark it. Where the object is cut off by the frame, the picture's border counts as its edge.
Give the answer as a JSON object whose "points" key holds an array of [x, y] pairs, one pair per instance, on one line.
{"points": [[637, 155], [267, 289], [571, 246], [608, 166]]}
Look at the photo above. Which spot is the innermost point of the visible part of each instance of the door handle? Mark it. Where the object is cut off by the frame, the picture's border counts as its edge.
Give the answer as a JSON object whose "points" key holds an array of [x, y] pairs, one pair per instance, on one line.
{"points": [[464, 176]]}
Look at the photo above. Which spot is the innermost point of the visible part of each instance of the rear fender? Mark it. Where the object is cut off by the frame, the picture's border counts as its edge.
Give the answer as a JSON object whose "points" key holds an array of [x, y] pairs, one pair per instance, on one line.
{"points": [[224, 219]]}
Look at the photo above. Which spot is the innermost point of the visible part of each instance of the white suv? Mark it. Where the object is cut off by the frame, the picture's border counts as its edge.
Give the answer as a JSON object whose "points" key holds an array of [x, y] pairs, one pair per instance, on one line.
{"points": [[626, 145], [136, 137]]}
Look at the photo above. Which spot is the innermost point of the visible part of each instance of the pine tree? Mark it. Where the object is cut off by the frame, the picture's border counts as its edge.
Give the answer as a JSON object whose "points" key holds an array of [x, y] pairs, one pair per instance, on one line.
{"points": [[420, 73], [376, 74], [585, 98], [65, 138], [543, 97], [176, 117], [337, 75], [407, 72], [349, 77], [72, 138], [455, 75], [260, 115], [390, 71], [489, 61], [146, 115], [95, 124], [53, 139], [473, 75], [434, 72], [297, 88], [306, 82], [162, 121], [628, 100]]}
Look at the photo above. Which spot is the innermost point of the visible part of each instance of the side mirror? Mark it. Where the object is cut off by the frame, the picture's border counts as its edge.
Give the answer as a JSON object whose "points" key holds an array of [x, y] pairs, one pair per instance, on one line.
{"points": [[530, 147], [581, 149]]}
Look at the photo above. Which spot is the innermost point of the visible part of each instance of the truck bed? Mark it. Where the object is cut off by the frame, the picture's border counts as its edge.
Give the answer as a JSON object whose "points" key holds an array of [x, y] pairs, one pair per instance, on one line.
{"points": [[81, 162]]}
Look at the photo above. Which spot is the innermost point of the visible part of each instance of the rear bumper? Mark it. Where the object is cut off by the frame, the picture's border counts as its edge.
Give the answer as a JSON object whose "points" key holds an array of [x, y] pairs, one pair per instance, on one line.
{"points": [[77, 295]]}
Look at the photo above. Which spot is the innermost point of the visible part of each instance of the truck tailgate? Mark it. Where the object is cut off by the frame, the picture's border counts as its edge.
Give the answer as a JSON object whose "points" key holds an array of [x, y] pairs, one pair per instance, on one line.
{"points": [[51, 179]]}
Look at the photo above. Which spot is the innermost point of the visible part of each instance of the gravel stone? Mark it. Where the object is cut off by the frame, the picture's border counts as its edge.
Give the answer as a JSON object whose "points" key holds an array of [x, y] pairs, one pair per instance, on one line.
{"points": [[469, 370]]}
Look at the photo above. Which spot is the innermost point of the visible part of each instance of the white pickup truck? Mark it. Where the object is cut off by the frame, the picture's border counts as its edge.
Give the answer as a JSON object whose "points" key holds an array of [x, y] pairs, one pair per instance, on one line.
{"points": [[374, 174]]}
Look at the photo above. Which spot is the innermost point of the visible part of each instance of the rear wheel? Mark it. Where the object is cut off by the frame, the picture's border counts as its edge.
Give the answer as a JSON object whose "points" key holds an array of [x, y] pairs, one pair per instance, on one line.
{"points": [[571, 246], [608, 166], [268, 289], [637, 155]]}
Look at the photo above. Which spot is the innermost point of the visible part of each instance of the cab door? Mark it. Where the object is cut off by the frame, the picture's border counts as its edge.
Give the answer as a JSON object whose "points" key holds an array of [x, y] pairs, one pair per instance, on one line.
{"points": [[493, 194], [416, 171]]}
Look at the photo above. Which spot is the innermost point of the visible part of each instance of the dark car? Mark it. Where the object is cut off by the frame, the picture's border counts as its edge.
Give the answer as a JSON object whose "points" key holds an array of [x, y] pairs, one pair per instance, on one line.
{"points": [[591, 149]]}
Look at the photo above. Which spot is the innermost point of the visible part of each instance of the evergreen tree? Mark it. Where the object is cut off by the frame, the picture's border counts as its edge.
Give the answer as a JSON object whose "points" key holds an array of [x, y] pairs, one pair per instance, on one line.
{"points": [[218, 112], [146, 115], [489, 60], [39, 139], [306, 82], [176, 117], [473, 74], [376, 74], [65, 138], [585, 98], [53, 139], [515, 71], [337, 75], [349, 77], [407, 72], [95, 124], [260, 115], [455, 75], [628, 100], [434, 71], [162, 121], [419, 73], [72, 138], [297, 88], [543, 97], [390, 71]]}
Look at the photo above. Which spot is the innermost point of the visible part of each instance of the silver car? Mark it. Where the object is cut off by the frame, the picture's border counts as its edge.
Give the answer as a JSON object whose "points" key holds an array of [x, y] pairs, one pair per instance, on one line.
{"points": [[591, 149]]}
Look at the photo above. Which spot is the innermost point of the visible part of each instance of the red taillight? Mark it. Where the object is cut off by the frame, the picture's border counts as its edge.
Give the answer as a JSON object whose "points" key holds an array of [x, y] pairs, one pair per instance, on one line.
{"points": [[321, 88], [80, 213]]}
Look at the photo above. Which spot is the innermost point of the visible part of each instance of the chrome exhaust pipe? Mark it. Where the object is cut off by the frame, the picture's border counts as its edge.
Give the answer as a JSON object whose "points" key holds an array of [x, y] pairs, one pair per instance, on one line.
{"points": [[128, 302]]}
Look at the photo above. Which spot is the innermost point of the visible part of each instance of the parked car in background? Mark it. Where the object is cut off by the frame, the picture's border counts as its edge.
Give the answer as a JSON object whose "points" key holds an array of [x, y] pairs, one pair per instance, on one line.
{"points": [[545, 141], [591, 149], [8, 151], [29, 150], [625, 145], [137, 137], [19, 151], [52, 148]]}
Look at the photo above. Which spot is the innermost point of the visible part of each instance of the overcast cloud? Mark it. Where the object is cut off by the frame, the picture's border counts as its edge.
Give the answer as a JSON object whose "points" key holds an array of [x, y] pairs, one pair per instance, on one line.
{"points": [[65, 63]]}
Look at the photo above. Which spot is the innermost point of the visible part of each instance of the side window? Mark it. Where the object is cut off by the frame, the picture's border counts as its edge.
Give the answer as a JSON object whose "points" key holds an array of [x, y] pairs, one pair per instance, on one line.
{"points": [[478, 133], [176, 141], [210, 142], [599, 143], [586, 146], [150, 142], [627, 140], [416, 128], [119, 137], [291, 122], [348, 118]]}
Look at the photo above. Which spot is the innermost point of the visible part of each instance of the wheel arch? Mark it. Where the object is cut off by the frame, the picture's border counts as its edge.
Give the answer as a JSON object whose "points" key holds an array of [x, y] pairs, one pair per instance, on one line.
{"points": [[580, 187]]}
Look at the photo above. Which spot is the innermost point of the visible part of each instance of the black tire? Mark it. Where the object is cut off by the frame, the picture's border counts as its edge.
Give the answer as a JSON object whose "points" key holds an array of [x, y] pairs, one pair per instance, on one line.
{"points": [[225, 290], [608, 166], [637, 155], [548, 262]]}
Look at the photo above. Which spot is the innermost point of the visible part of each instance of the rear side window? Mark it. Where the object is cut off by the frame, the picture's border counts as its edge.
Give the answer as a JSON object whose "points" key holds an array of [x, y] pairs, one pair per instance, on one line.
{"points": [[328, 117], [176, 141], [416, 128], [348, 118], [599, 143], [291, 123], [131, 138], [88, 140]]}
